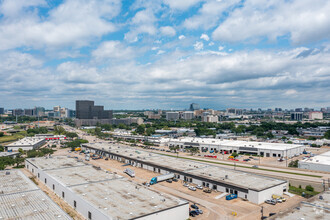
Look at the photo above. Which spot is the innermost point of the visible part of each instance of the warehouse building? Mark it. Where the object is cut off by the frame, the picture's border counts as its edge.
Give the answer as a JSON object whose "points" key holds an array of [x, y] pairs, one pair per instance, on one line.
{"points": [[98, 194], [9, 154], [20, 198], [254, 188], [27, 143], [320, 162], [230, 146]]}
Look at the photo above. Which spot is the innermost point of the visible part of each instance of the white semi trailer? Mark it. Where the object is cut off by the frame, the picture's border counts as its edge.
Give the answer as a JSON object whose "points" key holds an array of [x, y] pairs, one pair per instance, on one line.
{"points": [[160, 178]]}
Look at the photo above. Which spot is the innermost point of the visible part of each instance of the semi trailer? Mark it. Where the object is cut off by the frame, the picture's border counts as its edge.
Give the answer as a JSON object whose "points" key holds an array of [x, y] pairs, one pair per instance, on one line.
{"points": [[160, 178]]}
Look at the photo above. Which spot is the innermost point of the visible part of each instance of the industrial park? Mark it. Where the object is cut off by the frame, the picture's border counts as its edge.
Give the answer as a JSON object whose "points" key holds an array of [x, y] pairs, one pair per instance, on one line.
{"points": [[164, 110]]}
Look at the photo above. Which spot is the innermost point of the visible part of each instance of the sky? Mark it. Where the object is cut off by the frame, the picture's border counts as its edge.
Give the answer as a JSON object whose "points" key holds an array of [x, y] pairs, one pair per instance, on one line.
{"points": [[165, 54]]}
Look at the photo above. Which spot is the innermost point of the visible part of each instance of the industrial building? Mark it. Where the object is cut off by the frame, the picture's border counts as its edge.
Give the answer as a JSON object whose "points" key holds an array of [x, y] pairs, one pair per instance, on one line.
{"points": [[172, 116], [99, 194], [251, 147], [254, 188], [20, 198], [9, 154], [27, 143], [320, 162]]}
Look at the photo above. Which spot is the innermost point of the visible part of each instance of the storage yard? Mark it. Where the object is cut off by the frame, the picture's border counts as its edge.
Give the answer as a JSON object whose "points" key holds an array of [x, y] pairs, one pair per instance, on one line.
{"points": [[20, 198], [99, 194], [254, 188], [251, 147]]}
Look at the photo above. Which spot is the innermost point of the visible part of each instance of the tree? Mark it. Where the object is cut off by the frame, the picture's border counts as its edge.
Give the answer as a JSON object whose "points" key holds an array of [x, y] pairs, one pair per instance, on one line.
{"points": [[59, 130], [140, 129], [327, 135], [293, 163], [269, 135], [2, 134], [1, 148], [150, 131], [193, 150], [21, 150], [175, 148], [71, 135], [293, 131], [309, 188]]}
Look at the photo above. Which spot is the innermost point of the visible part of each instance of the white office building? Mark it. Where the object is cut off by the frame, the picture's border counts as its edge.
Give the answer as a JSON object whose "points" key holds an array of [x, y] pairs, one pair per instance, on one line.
{"points": [[172, 116]]}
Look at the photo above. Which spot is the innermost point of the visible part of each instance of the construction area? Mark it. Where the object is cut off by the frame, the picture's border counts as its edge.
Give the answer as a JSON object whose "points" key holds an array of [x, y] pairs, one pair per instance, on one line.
{"points": [[101, 194], [20, 198]]}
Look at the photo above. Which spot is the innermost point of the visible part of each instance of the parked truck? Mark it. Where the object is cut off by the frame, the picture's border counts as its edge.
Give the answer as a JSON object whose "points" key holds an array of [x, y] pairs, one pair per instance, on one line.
{"points": [[129, 172], [231, 196], [160, 178]]}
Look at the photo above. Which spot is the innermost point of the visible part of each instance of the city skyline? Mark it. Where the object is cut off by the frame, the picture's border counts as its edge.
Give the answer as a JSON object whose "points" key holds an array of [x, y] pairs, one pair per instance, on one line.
{"points": [[165, 54]]}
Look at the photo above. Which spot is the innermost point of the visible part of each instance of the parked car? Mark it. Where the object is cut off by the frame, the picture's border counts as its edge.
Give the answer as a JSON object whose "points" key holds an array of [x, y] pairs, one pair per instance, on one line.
{"points": [[186, 185], [279, 200], [169, 180], [271, 201], [207, 190], [246, 160], [199, 211], [199, 187], [175, 180], [194, 206], [193, 213], [255, 166], [192, 188]]}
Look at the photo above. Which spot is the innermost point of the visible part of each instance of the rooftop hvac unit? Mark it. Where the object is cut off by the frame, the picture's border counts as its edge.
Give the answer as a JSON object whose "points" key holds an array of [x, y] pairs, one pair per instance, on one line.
{"points": [[226, 176]]}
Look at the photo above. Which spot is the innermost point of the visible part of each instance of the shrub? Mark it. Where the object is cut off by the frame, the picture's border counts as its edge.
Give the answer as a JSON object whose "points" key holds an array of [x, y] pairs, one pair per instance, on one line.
{"points": [[309, 188]]}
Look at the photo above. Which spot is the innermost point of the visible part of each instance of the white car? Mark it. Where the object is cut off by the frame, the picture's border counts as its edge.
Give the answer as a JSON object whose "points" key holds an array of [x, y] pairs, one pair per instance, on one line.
{"points": [[186, 185], [199, 187], [192, 188]]}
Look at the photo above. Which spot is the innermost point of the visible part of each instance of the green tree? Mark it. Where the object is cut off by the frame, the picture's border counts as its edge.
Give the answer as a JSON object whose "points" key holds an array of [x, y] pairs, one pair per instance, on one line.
{"points": [[21, 150], [140, 129], [71, 135], [293, 163], [1, 148], [193, 150], [150, 131], [309, 188], [2, 134], [293, 131], [59, 130], [327, 135]]}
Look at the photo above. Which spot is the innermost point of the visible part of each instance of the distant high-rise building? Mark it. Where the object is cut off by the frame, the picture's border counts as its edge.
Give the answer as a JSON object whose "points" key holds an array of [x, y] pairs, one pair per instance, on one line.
{"points": [[86, 110], [28, 112], [39, 111], [187, 115], [194, 106], [18, 112], [298, 110], [2, 111], [172, 116], [315, 115], [296, 116]]}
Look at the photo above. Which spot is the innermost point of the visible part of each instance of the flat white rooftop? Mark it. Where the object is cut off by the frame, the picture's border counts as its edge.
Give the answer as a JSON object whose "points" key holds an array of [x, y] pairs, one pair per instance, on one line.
{"points": [[112, 194], [26, 141], [20, 198], [234, 143], [246, 180], [124, 199], [323, 159], [7, 154], [50, 163]]}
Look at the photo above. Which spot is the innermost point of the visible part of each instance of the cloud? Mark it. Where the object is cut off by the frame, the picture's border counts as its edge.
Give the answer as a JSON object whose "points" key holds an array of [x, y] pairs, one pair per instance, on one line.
{"points": [[205, 37], [168, 31], [72, 23], [199, 45], [181, 4], [209, 14], [300, 20], [181, 37], [142, 23], [221, 47], [113, 50]]}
